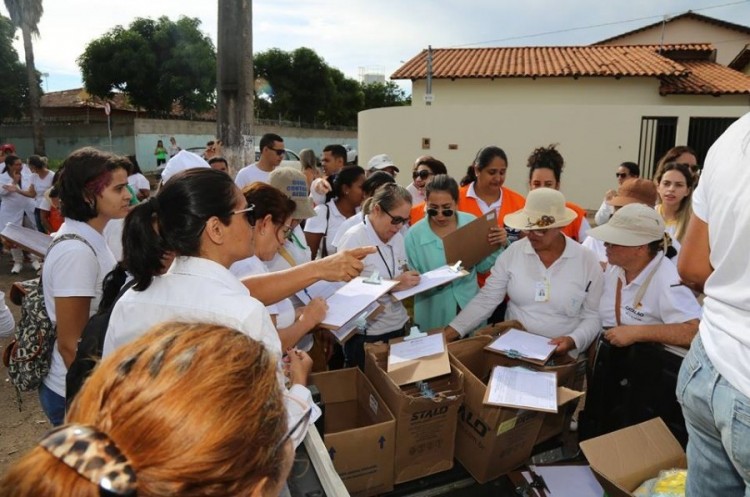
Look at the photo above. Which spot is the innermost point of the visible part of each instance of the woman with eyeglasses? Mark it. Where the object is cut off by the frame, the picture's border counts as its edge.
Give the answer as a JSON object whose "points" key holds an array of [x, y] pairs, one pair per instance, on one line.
{"points": [[200, 218], [386, 212], [545, 170], [674, 183], [625, 171], [343, 202], [374, 181], [553, 284], [273, 212], [425, 252], [186, 409], [425, 167]]}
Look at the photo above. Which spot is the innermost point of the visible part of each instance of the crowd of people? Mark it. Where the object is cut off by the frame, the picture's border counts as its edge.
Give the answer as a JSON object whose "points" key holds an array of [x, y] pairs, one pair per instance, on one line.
{"points": [[209, 342]]}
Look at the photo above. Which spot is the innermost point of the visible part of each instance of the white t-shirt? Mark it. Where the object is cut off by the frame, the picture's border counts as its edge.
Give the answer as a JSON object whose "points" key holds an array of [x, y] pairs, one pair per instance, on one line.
{"points": [[113, 235], [283, 309], [388, 261], [251, 174], [7, 322], [346, 226], [721, 200], [665, 300], [138, 182], [71, 269], [41, 185], [604, 213], [318, 223], [572, 285]]}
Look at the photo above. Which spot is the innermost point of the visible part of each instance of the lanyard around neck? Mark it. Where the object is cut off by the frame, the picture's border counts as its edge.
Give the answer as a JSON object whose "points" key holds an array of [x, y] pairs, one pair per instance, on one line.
{"points": [[393, 262]]}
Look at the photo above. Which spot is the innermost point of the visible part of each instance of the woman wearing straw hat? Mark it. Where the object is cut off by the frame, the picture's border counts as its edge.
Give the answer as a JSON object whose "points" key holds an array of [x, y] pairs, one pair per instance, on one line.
{"points": [[643, 299], [552, 282]]}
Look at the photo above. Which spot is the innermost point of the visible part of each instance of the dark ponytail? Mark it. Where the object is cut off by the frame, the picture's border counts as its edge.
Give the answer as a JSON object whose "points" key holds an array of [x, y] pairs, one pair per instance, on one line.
{"points": [[174, 219], [484, 157], [142, 246], [111, 287]]}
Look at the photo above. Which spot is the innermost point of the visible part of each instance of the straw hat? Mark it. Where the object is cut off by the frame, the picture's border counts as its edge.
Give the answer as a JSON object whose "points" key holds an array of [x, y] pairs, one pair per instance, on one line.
{"points": [[632, 225], [545, 209]]}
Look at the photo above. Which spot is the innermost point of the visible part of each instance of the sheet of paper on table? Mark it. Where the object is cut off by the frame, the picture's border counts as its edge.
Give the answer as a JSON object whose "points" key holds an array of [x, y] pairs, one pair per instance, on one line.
{"points": [[527, 345]]}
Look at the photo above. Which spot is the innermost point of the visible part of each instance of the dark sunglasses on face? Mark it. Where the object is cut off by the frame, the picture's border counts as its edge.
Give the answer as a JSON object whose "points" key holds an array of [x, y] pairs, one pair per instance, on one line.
{"points": [[421, 174], [279, 151], [621, 175], [445, 212], [396, 220]]}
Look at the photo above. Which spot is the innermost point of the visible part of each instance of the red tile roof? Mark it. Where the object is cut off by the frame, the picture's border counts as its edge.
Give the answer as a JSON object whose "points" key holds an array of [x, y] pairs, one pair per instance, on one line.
{"points": [[78, 97], [706, 78], [682, 68], [533, 62], [687, 15]]}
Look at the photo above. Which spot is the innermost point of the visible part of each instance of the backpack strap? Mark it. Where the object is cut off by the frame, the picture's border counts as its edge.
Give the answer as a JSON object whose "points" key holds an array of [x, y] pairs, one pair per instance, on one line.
{"points": [[60, 239]]}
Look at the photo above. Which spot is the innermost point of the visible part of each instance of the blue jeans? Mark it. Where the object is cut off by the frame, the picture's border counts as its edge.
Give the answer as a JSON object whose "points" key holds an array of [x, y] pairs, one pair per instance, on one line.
{"points": [[53, 405], [718, 422]]}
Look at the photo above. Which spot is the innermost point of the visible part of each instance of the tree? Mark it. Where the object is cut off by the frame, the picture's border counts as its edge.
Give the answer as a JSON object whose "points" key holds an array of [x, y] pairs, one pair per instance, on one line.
{"points": [[14, 87], [384, 95], [25, 14], [155, 63]]}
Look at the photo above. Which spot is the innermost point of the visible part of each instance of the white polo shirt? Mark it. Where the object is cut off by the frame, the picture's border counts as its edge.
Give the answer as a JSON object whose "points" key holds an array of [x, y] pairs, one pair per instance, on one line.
{"points": [[319, 223], [388, 261], [664, 301], [483, 206], [721, 200], [572, 284]]}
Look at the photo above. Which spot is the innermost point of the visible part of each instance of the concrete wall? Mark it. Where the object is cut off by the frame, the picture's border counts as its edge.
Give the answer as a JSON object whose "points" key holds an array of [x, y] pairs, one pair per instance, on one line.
{"points": [[558, 91], [593, 139], [727, 42]]}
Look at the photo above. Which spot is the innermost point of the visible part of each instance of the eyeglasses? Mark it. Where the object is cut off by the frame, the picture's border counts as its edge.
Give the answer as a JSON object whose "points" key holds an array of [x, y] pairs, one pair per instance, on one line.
{"points": [[279, 151], [445, 212], [248, 213], [296, 431], [621, 175], [287, 231], [396, 220], [423, 174]]}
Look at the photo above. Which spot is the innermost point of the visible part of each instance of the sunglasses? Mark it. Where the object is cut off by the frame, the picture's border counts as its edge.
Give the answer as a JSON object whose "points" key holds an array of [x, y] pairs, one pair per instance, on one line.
{"points": [[621, 175], [445, 212], [396, 220], [279, 151], [421, 174]]}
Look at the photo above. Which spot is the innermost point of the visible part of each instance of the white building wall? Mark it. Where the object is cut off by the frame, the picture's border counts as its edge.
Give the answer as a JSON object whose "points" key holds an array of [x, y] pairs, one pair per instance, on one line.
{"points": [[593, 139]]}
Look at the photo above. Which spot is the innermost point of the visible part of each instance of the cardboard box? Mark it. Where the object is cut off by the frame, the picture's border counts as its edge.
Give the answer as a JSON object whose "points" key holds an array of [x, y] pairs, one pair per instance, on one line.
{"points": [[570, 374], [624, 459], [490, 440], [359, 431], [425, 428]]}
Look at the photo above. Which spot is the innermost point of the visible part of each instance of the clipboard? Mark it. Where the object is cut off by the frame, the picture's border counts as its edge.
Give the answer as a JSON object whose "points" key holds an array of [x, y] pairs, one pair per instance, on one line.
{"points": [[34, 241], [345, 332], [352, 299], [422, 368], [538, 388], [433, 279], [517, 353], [468, 243]]}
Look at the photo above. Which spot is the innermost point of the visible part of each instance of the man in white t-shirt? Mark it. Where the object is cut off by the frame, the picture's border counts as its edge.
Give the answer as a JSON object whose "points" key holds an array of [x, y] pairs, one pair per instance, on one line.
{"points": [[714, 382], [271, 154]]}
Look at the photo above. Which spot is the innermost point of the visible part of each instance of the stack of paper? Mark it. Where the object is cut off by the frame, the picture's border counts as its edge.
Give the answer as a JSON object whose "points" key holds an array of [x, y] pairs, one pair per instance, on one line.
{"points": [[417, 359], [522, 388]]}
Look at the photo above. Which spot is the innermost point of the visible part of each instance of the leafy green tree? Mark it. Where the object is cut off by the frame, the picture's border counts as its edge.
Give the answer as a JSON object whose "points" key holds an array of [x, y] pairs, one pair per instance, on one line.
{"points": [[14, 87], [156, 63], [25, 14], [384, 95]]}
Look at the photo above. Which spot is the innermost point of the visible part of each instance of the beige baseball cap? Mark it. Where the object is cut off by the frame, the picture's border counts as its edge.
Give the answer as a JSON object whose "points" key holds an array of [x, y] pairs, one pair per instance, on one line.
{"points": [[293, 184], [631, 226]]}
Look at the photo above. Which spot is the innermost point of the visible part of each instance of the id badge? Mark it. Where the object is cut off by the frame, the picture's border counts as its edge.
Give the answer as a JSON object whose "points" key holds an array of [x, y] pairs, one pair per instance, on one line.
{"points": [[541, 291]]}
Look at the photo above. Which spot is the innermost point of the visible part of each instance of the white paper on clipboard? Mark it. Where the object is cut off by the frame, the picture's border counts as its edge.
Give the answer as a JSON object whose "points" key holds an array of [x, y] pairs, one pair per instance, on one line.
{"points": [[350, 300], [345, 332], [431, 279], [322, 289]]}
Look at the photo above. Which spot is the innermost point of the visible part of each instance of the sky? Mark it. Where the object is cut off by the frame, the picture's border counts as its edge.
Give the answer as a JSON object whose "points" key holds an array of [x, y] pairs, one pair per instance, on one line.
{"points": [[373, 34]]}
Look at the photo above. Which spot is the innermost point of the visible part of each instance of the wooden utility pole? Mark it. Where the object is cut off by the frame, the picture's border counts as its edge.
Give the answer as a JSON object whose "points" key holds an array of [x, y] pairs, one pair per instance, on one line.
{"points": [[234, 124]]}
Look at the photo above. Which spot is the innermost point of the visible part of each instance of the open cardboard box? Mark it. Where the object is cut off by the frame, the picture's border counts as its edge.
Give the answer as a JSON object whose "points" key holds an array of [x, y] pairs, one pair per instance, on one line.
{"points": [[359, 431], [570, 374], [491, 440], [624, 459], [425, 428]]}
